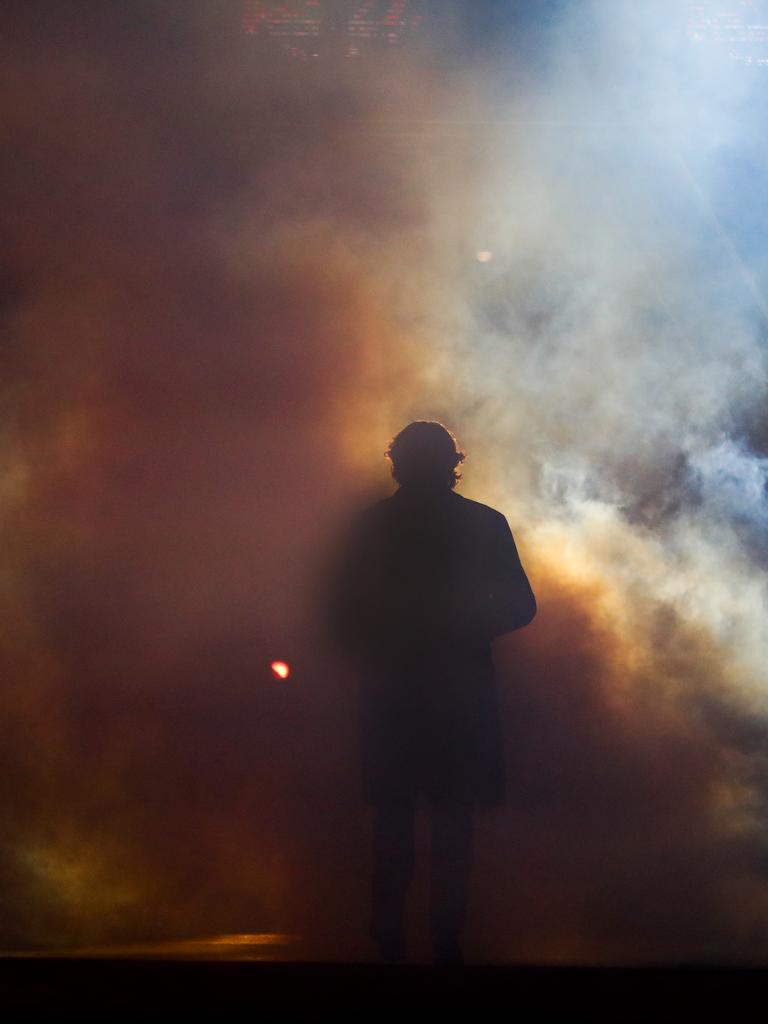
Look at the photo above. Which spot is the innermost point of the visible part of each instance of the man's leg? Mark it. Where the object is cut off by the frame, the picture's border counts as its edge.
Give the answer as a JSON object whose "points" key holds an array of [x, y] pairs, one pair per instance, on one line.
{"points": [[393, 863], [451, 868]]}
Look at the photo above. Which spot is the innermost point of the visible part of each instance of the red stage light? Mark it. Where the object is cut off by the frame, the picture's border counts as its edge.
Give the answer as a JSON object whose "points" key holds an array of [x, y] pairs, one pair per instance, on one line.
{"points": [[280, 669]]}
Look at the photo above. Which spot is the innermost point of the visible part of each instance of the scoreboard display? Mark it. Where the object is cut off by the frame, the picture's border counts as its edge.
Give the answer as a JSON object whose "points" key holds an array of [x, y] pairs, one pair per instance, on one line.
{"points": [[737, 30], [304, 28]]}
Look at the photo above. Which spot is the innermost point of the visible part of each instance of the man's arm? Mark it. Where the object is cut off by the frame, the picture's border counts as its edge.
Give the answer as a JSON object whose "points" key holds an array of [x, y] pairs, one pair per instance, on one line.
{"points": [[513, 604]]}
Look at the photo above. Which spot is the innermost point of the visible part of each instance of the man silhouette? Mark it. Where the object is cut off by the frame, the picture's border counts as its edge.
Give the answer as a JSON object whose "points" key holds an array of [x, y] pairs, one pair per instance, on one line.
{"points": [[425, 581]]}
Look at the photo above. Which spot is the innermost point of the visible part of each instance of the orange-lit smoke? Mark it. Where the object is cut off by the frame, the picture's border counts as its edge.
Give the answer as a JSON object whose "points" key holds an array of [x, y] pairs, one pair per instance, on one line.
{"points": [[228, 284]]}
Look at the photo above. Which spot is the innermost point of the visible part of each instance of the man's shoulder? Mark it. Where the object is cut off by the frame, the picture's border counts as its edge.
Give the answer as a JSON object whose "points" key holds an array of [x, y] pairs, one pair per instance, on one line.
{"points": [[465, 506], [384, 510], [477, 509]]}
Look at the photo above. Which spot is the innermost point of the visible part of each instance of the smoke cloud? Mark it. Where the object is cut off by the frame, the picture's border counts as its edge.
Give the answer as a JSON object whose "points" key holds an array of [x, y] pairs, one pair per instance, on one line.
{"points": [[227, 283]]}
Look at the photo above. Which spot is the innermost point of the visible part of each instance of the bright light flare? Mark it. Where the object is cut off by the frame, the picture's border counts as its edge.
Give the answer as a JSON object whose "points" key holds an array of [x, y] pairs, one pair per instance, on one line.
{"points": [[280, 669]]}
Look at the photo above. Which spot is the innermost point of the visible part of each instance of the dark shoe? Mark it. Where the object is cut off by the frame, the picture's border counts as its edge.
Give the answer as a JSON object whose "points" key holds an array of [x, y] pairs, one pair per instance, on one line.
{"points": [[448, 953], [391, 948]]}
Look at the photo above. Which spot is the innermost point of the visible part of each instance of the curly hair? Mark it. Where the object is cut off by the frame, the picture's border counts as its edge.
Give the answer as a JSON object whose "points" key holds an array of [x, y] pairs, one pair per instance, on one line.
{"points": [[425, 452]]}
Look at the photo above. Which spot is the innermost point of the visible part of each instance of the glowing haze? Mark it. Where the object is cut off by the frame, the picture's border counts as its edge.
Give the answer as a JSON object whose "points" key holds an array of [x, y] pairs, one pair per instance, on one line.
{"points": [[228, 283]]}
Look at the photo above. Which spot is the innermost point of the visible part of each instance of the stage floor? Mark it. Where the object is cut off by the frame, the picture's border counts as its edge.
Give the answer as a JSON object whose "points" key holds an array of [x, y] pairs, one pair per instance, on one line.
{"points": [[116, 989]]}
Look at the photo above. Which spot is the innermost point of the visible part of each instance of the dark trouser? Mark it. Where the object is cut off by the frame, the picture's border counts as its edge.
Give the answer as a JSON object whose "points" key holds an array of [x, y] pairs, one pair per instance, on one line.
{"points": [[393, 864]]}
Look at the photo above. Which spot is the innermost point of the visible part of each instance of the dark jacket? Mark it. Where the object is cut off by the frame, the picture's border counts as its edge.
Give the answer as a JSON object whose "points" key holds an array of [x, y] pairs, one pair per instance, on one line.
{"points": [[423, 584]]}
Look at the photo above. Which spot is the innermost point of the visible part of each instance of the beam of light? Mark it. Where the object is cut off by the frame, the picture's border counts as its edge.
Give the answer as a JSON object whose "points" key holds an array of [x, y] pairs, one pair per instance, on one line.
{"points": [[739, 263]]}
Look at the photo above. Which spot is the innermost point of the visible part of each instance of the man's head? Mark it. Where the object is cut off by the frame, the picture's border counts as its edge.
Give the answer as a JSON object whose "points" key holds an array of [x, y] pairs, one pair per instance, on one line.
{"points": [[425, 454]]}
